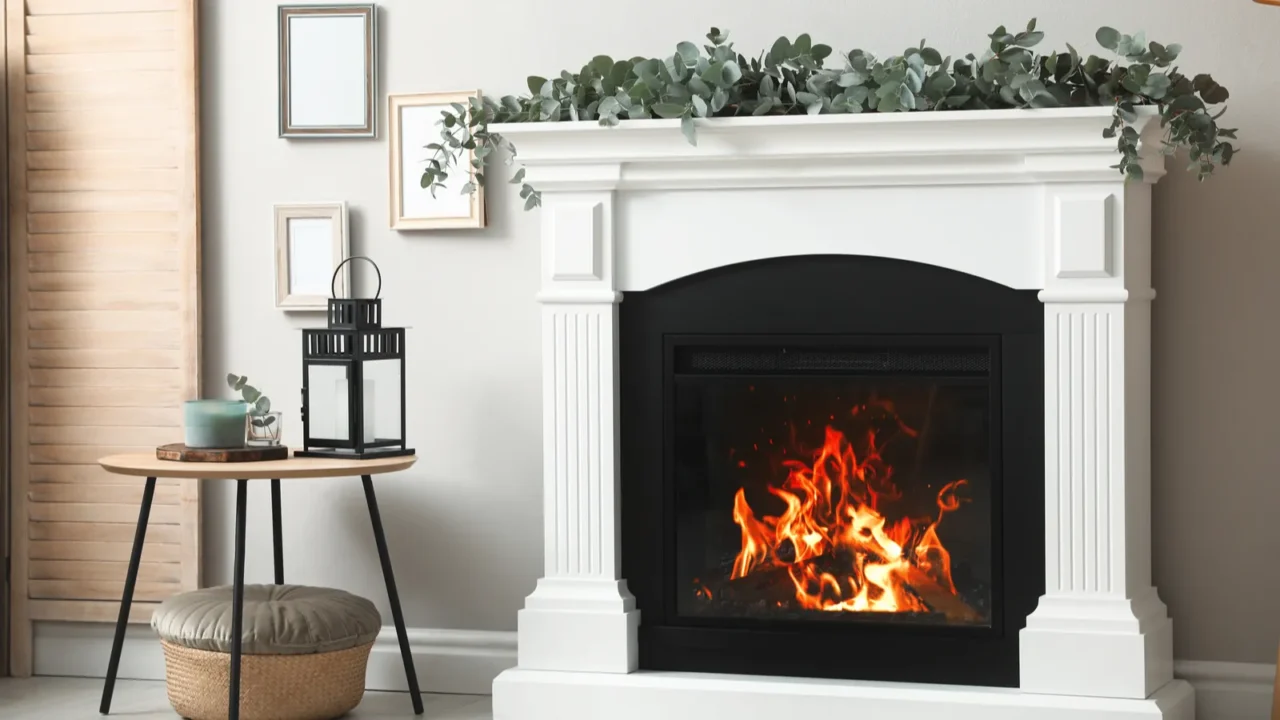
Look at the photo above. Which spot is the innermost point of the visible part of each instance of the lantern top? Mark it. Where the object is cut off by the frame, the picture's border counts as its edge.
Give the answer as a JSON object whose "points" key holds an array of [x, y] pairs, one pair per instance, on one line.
{"points": [[354, 313]]}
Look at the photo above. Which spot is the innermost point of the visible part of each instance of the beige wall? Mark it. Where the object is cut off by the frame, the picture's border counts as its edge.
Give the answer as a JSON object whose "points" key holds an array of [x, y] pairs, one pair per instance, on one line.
{"points": [[465, 525]]}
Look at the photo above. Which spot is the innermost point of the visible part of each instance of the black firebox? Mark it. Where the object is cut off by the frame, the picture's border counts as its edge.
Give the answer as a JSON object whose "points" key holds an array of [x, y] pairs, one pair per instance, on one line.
{"points": [[832, 467]]}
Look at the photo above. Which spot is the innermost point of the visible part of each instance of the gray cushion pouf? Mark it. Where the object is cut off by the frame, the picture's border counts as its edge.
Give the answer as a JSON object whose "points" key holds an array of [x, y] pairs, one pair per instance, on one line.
{"points": [[304, 651]]}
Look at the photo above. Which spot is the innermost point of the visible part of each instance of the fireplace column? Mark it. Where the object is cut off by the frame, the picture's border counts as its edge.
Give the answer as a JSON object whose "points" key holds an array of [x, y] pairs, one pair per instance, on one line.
{"points": [[581, 617], [1100, 629]]}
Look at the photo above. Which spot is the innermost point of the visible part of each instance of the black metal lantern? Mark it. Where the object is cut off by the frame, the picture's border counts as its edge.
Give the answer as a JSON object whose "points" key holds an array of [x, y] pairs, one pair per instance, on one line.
{"points": [[353, 403]]}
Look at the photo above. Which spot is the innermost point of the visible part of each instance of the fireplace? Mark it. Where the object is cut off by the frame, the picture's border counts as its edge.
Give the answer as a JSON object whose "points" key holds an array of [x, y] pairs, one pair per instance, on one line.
{"points": [[943, 319], [821, 453]]}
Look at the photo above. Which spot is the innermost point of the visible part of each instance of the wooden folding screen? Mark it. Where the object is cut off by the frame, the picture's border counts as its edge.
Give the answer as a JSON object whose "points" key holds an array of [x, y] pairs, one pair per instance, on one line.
{"points": [[105, 319]]}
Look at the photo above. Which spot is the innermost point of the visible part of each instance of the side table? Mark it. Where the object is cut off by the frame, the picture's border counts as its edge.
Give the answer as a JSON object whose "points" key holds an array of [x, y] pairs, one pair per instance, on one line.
{"points": [[147, 466]]}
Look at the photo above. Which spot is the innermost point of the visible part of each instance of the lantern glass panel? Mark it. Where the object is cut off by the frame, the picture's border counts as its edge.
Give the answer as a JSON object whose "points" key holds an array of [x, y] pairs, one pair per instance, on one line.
{"points": [[327, 402], [382, 400]]}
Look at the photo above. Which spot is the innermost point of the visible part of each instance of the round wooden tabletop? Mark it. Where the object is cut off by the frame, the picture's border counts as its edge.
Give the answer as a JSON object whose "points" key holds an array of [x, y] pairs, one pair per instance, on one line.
{"points": [[148, 465]]}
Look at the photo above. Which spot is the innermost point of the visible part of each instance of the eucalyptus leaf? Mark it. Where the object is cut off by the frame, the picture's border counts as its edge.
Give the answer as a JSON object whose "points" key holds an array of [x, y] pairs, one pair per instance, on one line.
{"points": [[601, 64], [802, 45], [1215, 95], [1108, 38], [647, 70], [1044, 100], [689, 129], [668, 110], [718, 100], [714, 75], [732, 73], [688, 52], [780, 51], [609, 106]]}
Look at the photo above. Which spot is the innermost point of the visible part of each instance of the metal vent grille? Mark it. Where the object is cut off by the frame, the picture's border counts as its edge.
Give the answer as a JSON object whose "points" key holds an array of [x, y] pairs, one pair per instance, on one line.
{"points": [[880, 361]]}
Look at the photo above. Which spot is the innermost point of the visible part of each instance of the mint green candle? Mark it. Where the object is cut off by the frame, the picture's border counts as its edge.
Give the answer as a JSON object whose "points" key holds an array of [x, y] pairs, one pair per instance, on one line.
{"points": [[214, 423]]}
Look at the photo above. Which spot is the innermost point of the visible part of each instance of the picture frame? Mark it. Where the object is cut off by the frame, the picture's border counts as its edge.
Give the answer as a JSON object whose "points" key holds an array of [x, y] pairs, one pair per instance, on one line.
{"points": [[328, 80], [310, 243], [412, 124]]}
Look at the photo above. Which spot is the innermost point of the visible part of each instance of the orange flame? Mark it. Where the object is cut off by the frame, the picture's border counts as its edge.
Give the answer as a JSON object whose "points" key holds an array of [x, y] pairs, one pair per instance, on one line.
{"points": [[833, 512]]}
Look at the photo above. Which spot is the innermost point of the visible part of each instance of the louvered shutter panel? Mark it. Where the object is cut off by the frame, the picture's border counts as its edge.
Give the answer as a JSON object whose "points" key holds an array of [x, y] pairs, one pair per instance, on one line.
{"points": [[104, 252]]}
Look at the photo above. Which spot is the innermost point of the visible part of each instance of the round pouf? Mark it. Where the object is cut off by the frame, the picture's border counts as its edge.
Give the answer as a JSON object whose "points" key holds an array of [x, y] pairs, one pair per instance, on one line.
{"points": [[303, 651]]}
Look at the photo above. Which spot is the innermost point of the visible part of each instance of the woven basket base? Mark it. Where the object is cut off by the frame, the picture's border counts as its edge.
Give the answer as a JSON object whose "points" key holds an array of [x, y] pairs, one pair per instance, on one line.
{"points": [[319, 686]]}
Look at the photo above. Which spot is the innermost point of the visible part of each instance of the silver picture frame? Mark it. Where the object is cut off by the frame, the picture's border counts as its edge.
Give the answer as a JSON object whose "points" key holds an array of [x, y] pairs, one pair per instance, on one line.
{"points": [[328, 78]]}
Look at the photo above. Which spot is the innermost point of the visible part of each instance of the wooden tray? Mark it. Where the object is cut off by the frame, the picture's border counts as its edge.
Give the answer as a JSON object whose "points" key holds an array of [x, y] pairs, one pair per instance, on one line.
{"points": [[181, 453]]}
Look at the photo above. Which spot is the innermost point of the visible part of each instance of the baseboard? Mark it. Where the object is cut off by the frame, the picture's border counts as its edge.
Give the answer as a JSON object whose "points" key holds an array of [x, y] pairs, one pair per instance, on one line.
{"points": [[467, 661], [83, 649], [1227, 690], [447, 661]]}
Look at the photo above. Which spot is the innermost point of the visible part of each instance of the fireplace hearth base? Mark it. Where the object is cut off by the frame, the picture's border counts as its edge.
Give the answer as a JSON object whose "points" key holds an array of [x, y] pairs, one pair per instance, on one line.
{"points": [[645, 695]]}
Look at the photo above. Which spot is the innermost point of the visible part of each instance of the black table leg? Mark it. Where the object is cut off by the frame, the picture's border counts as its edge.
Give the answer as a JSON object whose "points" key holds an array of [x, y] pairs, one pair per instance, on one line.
{"points": [[122, 623], [410, 674], [237, 604], [276, 533]]}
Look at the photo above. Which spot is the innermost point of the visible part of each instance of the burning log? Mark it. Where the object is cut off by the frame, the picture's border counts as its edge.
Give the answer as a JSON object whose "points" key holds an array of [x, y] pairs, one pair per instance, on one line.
{"points": [[772, 587], [937, 597]]}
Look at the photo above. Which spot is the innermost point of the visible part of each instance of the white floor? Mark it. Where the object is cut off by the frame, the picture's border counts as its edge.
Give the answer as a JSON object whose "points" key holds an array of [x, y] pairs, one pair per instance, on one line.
{"points": [[77, 699]]}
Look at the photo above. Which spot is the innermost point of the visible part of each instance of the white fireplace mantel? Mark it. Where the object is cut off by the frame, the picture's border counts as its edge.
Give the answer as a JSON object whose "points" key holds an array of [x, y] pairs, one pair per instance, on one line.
{"points": [[1027, 199]]}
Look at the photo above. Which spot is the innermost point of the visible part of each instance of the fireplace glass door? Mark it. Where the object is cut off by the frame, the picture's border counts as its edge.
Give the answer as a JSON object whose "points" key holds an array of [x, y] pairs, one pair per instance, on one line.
{"points": [[846, 483], [833, 467]]}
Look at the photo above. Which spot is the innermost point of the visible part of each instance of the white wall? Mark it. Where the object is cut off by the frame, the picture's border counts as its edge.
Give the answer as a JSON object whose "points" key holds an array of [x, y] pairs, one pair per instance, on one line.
{"points": [[465, 525]]}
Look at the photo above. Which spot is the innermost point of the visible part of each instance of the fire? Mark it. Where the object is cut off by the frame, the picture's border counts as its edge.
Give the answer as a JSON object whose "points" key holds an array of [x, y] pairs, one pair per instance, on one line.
{"points": [[835, 543]]}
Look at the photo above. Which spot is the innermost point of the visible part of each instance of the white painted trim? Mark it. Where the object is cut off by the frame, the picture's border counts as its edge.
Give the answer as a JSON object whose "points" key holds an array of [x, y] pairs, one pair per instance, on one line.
{"points": [[1229, 690], [1223, 691], [548, 695], [872, 149], [447, 661]]}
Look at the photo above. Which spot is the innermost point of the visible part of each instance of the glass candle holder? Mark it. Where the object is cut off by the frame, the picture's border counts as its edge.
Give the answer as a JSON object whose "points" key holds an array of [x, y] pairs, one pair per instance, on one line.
{"points": [[214, 423]]}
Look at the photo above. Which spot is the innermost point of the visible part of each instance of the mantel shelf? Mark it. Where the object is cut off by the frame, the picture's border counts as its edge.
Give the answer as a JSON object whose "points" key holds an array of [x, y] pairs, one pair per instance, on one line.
{"points": [[924, 148]]}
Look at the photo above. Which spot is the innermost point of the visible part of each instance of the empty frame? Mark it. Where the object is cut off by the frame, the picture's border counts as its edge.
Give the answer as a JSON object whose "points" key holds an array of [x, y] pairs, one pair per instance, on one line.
{"points": [[311, 242], [328, 78], [414, 124]]}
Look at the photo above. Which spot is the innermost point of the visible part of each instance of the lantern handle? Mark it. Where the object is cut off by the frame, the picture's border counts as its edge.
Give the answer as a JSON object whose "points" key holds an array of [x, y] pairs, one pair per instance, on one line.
{"points": [[333, 284]]}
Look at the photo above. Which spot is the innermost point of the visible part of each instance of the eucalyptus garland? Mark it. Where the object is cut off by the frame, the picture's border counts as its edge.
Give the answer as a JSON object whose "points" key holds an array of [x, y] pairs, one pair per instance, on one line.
{"points": [[800, 77]]}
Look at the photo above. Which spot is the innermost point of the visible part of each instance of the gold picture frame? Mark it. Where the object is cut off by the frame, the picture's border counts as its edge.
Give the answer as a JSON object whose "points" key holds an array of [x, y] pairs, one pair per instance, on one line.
{"points": [[412, 124], [328, 71]]}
